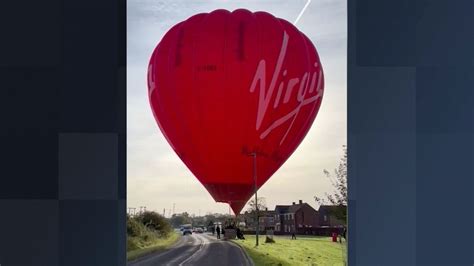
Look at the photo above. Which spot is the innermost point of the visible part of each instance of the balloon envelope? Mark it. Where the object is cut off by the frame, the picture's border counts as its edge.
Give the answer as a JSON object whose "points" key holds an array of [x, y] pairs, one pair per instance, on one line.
{"points": [[224, 85]]}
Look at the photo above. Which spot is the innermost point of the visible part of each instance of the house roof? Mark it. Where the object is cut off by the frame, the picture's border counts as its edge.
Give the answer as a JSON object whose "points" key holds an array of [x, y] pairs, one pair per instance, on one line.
{"points": [[268, 212], [296, 207], [330, 208], [281, 208]]}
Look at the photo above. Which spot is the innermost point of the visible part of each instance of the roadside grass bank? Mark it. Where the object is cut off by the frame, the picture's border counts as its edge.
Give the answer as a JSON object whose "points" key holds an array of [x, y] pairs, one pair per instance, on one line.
{"points": [[305, 250], [138, 247], [146, 233]]}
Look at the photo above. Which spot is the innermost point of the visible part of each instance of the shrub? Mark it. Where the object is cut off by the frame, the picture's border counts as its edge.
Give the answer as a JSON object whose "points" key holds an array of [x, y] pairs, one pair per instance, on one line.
{"points": [[134, 227], [155, 222]]}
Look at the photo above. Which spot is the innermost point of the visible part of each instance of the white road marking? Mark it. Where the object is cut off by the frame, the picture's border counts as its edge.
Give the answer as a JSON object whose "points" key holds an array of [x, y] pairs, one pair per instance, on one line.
{"points": [[203, 243]]}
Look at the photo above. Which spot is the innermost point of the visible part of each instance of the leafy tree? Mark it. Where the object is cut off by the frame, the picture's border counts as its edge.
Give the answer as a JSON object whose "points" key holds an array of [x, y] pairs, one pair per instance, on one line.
{"points": [[179, 219], [210, 217], [155, 221], [261, 204], [339, 182]]}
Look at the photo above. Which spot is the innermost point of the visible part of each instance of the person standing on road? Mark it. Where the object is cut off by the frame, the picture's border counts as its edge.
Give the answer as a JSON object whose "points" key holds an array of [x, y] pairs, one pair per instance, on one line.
{"points": [[218, 231]]}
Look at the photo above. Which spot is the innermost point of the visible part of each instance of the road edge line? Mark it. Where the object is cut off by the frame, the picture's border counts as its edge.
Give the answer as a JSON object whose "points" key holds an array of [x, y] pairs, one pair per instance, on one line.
{"points": [[246, 255]]}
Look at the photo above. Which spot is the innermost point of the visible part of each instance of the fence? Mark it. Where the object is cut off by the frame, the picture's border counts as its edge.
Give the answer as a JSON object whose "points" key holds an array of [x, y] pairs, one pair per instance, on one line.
{"points": [[317, 231]]}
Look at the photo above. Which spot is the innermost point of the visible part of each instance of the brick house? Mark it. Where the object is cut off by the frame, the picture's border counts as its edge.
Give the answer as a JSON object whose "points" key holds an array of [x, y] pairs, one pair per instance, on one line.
{"points": [[295, 218], [327, 215]]}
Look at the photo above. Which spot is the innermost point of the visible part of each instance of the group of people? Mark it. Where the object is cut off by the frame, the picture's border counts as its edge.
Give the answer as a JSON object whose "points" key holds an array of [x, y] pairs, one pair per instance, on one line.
{"points": [[218, 230]]}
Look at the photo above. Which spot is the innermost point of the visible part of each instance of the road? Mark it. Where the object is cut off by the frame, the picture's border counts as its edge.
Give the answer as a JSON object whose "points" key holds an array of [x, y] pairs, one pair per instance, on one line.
{"points": [[197, 249]]}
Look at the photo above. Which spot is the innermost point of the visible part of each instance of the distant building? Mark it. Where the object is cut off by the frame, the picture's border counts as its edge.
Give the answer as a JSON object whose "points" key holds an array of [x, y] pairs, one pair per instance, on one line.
{"points": [[266, 220], [295, 218], [328, 215], [299, 218], [281, 212]]}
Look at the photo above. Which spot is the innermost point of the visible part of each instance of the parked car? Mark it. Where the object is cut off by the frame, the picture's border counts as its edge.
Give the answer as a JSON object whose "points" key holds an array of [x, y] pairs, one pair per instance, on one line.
{"points": [[187, 229], [198, 230]]}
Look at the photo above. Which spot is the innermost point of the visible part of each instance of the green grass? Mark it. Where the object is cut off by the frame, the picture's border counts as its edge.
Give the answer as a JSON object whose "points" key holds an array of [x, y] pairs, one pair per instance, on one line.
{"points": [[302, 251], [140, 246]]}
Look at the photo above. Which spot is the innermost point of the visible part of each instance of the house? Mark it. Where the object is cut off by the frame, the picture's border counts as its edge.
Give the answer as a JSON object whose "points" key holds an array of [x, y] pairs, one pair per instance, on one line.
{"points": [[329, 215], [295, 218], [280, 217], [266, 220]]}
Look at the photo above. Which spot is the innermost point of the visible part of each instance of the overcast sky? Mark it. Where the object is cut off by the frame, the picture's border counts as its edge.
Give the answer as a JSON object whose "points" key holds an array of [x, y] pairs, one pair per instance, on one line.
{"points": [[156, 177]]}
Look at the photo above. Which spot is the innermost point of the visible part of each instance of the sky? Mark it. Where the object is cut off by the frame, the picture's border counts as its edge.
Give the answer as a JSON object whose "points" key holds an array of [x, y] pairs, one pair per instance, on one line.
{"points": [[159, 180]]}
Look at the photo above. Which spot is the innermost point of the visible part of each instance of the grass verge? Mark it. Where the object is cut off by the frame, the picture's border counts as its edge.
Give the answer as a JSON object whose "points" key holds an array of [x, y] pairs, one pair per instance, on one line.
{"points": [[302, 251], [141, 248]]}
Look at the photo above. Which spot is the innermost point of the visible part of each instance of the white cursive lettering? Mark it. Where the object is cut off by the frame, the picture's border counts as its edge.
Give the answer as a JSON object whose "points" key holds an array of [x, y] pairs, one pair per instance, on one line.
{"points": [[264, 99], [266, 95]]}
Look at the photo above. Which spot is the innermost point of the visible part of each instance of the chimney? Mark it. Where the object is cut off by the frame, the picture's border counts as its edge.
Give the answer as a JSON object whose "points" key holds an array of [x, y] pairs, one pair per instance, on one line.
{"points": [[301, 202], [293, 203]]}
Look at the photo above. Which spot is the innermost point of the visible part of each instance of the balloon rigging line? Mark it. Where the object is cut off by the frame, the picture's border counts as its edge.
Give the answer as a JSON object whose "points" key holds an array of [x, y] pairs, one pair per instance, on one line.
{"points": [[302, 11]]}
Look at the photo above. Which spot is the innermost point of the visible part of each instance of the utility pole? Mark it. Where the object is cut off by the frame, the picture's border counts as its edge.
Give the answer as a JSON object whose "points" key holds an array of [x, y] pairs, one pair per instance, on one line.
{"points": [[254, 155], [173, 208]]}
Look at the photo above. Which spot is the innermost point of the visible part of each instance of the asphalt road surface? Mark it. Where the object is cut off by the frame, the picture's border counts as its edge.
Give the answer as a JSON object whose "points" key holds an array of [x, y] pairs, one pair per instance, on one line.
{"points": [[197, 249]]}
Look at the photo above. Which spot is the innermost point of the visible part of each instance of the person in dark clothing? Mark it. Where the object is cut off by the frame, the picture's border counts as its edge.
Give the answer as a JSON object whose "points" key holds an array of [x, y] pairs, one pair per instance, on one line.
{"points": [[218, 231], [293, 236], [239, 234]]}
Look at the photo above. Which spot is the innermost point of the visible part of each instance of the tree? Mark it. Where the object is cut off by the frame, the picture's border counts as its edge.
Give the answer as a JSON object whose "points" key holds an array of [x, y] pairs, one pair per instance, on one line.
{"points": [[261, 204], [177, 220], [339, 182], [180, 219], [155, 221], [210, 217]]}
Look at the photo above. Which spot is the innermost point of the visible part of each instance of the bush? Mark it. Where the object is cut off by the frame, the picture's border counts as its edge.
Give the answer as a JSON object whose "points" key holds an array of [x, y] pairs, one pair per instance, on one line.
{"points": [[145, 230], [155, 222], [134, 227]]}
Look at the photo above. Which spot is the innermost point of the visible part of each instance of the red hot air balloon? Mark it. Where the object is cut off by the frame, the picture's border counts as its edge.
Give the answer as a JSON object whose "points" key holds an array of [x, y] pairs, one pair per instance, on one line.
{"points": [[223, 85]]}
